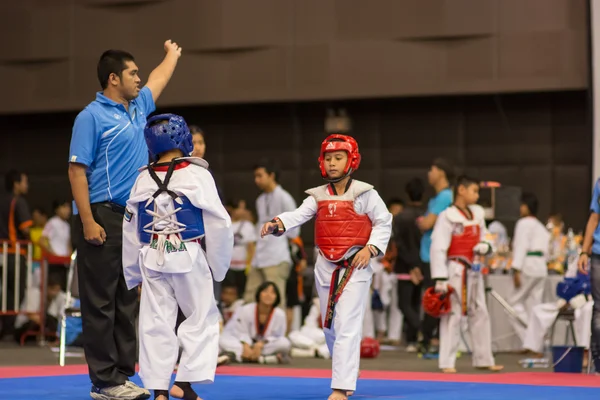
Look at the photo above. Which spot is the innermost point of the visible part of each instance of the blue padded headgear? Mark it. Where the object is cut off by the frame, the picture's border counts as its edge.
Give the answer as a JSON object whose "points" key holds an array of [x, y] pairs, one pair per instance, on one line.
{"points": [[174, 134]]}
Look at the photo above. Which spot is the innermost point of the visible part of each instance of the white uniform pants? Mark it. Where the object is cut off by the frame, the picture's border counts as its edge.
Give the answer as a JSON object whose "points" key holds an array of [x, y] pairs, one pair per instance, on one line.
{"points": [[345, 335], [232, 344], [529, 295], [477, 318], [543, 316], [198, 335]]}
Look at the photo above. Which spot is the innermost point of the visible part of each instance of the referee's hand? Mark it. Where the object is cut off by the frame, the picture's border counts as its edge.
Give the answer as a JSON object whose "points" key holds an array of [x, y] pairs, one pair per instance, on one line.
{"points": [[94, 234], [171, 46]]}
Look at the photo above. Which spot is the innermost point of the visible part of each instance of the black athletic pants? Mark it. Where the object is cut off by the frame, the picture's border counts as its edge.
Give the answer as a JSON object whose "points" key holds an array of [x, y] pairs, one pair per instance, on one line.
{"points": [[108, 309], [409, 303], [431, 324]]}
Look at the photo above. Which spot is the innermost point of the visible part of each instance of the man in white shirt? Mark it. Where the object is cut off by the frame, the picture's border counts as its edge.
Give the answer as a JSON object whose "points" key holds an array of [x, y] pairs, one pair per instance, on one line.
{"points": [[56, 239], [531, 243], [272, 260]]}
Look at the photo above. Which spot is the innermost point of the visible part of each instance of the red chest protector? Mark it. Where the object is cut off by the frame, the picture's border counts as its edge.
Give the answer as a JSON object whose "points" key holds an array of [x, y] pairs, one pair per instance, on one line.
{"points": [[338, 227], [466, 234]]}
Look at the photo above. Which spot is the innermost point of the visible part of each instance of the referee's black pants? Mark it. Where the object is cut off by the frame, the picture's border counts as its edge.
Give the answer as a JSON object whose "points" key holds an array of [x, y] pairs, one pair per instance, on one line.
{"points": [[108, 309]]}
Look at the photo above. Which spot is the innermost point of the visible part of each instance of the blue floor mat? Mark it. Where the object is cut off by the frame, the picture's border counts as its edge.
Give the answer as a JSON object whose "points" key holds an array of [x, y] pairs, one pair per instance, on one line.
{"points": [[76, 387]]}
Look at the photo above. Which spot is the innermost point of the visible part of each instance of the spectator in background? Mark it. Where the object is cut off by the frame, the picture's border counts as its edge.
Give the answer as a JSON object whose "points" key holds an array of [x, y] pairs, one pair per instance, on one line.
{"points": [[531, 243], [15, 222], [272, 259], [407, 238], [198, 141], [56, 240], [40, 218], [31, 319], [440, 175], [244, 244]]}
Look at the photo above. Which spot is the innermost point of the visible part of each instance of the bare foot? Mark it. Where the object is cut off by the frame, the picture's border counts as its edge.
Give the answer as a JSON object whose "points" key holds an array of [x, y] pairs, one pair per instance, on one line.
{"points": [[492, 368], [449, 370], [178, 393], [338, 395]]}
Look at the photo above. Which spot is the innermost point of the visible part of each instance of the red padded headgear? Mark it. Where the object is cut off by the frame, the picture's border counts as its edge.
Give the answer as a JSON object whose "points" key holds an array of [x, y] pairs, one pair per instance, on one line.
{"points": [[435, 303], [369, 348], [342, 143]]}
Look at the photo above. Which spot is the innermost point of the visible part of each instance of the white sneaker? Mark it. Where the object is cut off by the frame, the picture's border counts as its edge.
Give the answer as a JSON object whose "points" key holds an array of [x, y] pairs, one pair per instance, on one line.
{"points": [[141, 390], [127, 391], [411, 348]]}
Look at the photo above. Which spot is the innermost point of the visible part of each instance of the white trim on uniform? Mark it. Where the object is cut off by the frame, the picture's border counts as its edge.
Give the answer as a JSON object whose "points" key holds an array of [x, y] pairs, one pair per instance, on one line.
{"points": [[106, 154]]}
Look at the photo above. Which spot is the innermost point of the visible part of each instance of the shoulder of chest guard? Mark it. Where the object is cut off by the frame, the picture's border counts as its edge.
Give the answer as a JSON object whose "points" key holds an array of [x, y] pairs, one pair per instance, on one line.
{"points": [[317, 191], [478, 212], [360, 187], [452, 214]]}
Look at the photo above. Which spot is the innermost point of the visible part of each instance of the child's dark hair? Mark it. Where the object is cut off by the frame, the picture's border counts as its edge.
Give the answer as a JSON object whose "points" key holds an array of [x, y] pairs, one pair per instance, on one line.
{"points": [[415, 189], [195, 130], [269, 166], [394, 200], [531, 201], [265, 285], [40, 210], [59, 203], [466, 181]]}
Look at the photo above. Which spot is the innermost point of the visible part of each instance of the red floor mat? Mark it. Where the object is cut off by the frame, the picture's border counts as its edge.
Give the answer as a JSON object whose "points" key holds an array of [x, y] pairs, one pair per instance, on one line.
{"points": [[521, 378]]}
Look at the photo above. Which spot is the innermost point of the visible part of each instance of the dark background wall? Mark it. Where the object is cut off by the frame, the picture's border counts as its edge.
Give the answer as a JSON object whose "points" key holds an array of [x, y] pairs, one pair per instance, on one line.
{"points": [[539, 141], [288, 50]]}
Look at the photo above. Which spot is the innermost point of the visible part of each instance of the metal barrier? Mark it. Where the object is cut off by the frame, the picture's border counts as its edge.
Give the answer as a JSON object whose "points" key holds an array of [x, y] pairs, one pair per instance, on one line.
{"points": [[18, 248], [47, 260], [67, 310]]}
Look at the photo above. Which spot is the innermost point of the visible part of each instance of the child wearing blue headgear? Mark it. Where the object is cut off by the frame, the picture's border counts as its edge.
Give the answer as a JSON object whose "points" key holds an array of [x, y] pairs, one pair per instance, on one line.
{"points": [[173, 205]]}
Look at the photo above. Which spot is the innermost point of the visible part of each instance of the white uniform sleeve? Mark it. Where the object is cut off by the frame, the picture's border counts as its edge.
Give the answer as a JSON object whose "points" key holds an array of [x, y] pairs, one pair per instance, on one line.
{"points": [[382, 221], [520, 244], [217, 225], [299, 216], [483, 238], [441, 238], [131, 246], [289, 205], [236, 326]]}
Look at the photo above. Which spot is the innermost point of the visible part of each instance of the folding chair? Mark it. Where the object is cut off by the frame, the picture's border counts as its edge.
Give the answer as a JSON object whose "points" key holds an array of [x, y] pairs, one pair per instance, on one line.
{"points": [[67, 311]]}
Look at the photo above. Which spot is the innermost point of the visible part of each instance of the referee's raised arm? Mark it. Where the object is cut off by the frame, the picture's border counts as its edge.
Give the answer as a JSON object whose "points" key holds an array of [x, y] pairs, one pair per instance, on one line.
{"points": [[107, 149]]}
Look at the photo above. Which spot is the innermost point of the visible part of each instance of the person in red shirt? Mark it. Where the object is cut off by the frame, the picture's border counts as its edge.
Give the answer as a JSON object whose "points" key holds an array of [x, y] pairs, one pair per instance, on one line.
{"points": [[352, 225]]}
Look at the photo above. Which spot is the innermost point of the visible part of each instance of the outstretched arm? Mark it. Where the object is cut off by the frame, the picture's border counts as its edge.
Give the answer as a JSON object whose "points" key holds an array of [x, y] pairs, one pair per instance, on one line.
{"points": [[160, 76], [291, 219]]}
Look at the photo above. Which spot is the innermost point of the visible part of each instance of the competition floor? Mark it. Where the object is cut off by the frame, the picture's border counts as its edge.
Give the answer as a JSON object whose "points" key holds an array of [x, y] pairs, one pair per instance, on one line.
{"points": [[394, 375]]}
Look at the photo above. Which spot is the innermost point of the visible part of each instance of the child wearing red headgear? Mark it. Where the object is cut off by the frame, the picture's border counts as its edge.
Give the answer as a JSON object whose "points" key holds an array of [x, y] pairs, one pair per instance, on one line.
{"points": [[352, 225], [457, 242]]}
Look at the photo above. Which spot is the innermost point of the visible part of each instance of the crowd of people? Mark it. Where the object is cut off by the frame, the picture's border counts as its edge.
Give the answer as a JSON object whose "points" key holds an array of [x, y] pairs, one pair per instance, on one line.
{"points": [[214, 283]]}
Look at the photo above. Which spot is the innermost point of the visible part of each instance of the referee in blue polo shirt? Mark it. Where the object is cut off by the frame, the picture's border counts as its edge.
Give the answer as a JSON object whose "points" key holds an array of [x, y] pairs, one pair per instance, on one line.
{"points": [[589, 262], [107, 148]]}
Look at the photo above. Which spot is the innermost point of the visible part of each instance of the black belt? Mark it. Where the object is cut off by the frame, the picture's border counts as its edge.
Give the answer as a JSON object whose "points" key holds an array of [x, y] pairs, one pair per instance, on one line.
{"points": [[113, 206], [337, 287]]}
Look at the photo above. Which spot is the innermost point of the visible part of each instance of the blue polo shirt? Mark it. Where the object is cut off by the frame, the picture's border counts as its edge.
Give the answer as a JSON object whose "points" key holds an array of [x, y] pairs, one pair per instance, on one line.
{"points": [[109, 140], [436, 205], [595, 208]]}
